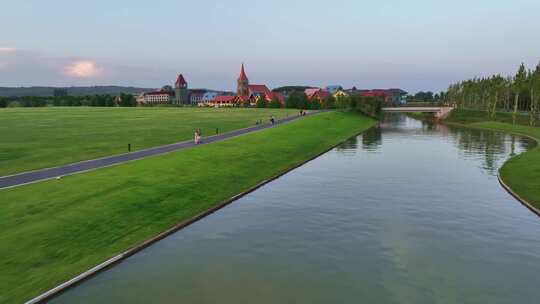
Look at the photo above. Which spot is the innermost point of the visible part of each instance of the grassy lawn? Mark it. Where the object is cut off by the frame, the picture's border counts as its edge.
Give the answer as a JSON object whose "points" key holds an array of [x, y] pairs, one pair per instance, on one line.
{"points": [[54, 230], [521, 173], [34, 138]]}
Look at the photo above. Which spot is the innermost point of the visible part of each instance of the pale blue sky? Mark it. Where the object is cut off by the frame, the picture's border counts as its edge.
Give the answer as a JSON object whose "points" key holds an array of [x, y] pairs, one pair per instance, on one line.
{"points": [[415, 44]]}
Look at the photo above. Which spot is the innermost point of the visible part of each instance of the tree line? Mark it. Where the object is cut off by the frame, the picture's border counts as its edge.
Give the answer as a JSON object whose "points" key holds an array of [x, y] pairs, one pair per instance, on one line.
{"points": [[370, 106], [517, 93], [126, 100]]}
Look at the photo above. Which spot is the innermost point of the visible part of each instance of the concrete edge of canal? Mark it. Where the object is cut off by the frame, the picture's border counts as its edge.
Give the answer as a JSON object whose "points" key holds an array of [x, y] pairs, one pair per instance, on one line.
{"points": [[517, 197], [42, 298]]}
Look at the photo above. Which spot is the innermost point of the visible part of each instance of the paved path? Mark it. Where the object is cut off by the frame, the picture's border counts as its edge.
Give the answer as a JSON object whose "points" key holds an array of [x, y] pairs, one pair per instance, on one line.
{"points": [[50, 173]]}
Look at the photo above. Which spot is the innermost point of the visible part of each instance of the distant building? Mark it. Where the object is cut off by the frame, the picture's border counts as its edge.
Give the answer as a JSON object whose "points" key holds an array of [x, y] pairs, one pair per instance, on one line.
{"points": [[154, 98], [196, 96], [316, 93], [221, 101], [333, 89], [255, 91], [209, 96], [242, 83], [391, 96], [354, 91], [340, 94], [397, 96], [376, 93], [181, 91]]}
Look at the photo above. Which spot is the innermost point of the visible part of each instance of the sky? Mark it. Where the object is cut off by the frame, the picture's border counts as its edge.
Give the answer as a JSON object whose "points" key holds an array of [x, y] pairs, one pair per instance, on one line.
{"points": [[411, 44]]}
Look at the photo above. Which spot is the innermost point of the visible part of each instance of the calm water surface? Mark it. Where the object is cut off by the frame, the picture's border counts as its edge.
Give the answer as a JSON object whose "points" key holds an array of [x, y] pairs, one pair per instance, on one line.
{"points": [[406, 213]]}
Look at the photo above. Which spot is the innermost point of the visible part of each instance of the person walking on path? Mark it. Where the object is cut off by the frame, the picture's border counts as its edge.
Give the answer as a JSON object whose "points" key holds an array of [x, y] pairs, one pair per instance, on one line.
{"points": [[272, 120], [197, 138]]}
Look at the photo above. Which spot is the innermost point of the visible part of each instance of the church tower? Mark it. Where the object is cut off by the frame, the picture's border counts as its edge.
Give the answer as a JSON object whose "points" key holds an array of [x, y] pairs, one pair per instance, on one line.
{"points": [[181, 90], [243, 83]]}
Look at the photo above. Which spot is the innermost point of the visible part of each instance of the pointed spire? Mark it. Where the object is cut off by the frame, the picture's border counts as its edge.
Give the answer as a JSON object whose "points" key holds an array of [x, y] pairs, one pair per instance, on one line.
{"points": [[243, 76], [180, 81]]}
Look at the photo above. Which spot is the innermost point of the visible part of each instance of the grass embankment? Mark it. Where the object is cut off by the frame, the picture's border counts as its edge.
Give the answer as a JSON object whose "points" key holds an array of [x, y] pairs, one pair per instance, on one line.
{"points": [[35, 138], [522, 172], [54, 230]]}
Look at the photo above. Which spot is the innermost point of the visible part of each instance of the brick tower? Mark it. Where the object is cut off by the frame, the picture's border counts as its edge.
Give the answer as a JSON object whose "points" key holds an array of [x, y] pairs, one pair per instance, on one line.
{"points": [[181, 90], [243, 83]]}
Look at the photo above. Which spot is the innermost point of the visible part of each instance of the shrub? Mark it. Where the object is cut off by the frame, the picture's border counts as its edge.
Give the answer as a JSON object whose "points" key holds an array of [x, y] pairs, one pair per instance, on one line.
{"points": [[261, 102]]}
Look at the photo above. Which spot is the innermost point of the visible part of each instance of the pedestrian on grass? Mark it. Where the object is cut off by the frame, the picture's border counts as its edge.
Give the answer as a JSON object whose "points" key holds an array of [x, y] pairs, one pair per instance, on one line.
{"points": [[272, 120]]}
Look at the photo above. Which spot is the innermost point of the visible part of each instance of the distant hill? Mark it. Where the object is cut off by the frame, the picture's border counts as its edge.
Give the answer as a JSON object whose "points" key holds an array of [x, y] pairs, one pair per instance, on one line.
{"points": [[73, 91]]}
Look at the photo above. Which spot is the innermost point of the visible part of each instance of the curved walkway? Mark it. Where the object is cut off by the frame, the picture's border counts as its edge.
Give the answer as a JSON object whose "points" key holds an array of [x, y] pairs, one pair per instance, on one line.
{"points": [[87, 165]]}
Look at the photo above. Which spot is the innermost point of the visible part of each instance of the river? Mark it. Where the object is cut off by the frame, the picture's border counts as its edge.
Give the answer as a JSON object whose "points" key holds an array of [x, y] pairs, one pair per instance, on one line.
{"points": [[408, 212]]}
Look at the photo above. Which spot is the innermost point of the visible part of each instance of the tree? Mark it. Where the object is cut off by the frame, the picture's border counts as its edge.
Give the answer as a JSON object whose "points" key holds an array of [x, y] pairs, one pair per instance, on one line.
{"points": [[261, 102], [292, 101], [315, 104], [534, 87], [519, 82], [275, 103], [329, 102], [127, 100], [424, 96], [3, 102], [303, 102]]}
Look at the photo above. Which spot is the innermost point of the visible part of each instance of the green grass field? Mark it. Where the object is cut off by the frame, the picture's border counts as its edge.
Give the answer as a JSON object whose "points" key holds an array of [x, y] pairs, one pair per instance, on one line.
{"points": [[35, 138], [54, 230], [521, 173]]}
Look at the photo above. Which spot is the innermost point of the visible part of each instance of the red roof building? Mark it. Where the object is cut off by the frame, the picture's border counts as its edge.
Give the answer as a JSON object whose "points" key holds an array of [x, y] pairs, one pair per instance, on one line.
{"points": [[250, 92], [317, 93], [376, 93]]}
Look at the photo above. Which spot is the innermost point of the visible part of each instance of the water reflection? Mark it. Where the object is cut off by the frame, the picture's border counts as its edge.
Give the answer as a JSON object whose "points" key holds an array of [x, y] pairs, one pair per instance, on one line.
{"points": [[492, 148], [371, 141], [348, 146]]}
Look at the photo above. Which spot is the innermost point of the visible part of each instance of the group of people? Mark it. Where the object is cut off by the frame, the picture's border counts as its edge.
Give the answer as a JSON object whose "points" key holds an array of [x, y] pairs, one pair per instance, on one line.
{"points": [[303, 112]]}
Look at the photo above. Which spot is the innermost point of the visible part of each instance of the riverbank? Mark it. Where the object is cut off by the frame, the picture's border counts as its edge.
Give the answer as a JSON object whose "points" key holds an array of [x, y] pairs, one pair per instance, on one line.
{"points": [[55, 230], [521, 173]]}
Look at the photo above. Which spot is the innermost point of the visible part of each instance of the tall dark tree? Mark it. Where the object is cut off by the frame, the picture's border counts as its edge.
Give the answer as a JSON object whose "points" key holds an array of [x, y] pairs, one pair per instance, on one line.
{"points": [[519, 84], [292, 100], [274, 103]]}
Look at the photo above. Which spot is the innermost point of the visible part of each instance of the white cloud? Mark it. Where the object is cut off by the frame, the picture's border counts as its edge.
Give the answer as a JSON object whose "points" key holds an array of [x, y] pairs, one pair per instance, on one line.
{"points": [[83, 69]]}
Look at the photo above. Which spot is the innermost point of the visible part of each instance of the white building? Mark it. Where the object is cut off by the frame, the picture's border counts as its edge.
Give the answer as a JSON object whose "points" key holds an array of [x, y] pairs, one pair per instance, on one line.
{"points": [[158, 97]]}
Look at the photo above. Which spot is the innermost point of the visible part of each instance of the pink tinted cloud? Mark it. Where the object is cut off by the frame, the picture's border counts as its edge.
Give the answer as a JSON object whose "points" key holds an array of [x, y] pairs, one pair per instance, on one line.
{"points": [[7, 49], [83, 69]]}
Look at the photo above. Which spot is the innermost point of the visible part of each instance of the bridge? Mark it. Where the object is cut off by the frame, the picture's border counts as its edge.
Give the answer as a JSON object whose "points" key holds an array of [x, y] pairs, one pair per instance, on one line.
{"points": [[440, 112]]}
